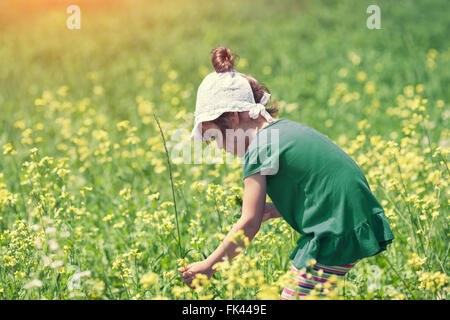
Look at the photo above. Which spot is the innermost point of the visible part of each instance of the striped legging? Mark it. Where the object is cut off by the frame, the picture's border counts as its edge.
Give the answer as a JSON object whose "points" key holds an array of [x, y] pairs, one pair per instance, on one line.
{"points": [[304, 282]]}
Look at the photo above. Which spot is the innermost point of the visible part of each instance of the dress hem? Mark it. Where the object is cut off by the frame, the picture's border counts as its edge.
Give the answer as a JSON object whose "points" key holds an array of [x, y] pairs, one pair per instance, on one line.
{"points": [[365, 240]]}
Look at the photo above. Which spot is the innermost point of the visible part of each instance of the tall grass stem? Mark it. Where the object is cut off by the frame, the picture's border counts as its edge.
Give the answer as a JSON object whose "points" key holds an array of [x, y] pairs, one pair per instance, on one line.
{"points": [[171, 183]]}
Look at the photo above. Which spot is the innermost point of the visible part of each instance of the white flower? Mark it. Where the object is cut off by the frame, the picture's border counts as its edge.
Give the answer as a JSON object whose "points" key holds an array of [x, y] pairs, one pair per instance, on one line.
{"points": [[56, 264], [46, 260], [64, 234], [74, 282], [36, 283], [50, 230], [53, 245], [79, 275]]}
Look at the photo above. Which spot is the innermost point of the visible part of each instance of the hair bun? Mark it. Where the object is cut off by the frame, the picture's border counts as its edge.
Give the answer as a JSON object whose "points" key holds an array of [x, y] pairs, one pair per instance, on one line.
{"points": [[222, 59]]}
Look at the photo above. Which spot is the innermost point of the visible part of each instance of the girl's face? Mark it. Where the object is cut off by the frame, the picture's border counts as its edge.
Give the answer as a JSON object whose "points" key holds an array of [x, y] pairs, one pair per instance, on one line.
{"points": [[235, 142]]}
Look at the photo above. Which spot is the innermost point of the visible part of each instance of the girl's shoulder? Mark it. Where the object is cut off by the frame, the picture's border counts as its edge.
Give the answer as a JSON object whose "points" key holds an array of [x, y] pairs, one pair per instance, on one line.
{"points": [[286, 123], [284, 127]]}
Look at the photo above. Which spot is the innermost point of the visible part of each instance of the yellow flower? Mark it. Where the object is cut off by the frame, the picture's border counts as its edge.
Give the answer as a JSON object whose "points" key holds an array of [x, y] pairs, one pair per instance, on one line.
{"points": [[361, 76], [154, 196], [268, 293], [182, 262], [354, 58], [342, 73], [98, 90], [172, 75], [8, 149], [148, 279], [160, 297], [62, 91], [369, 87], [19, 125], [123, 125], [242, 63], [200, 281], [267, 70]]}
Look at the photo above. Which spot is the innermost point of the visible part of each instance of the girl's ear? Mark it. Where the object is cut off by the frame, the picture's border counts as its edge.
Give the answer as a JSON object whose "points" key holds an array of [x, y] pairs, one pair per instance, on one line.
{"points": [[234, 120]]}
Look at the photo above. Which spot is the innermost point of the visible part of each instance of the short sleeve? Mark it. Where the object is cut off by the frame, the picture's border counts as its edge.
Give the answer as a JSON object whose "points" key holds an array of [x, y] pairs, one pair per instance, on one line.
{"points": [[262, 156]]}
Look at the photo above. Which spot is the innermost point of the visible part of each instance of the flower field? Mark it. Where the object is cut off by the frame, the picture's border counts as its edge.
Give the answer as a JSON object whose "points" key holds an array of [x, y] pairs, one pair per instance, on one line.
{"points": [[90, 207]]}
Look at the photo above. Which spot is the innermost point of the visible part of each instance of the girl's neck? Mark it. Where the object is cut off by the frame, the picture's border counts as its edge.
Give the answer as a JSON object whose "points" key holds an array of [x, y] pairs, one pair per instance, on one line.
{"points": [[261, 123]]}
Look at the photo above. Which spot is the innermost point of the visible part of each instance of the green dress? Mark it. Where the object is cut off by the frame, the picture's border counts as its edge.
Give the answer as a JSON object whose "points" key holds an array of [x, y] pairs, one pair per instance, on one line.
{"points": [[320, 191]]}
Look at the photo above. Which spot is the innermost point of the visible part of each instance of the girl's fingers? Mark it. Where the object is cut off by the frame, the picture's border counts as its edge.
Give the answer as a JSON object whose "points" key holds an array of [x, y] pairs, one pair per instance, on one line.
{"points": [[184, 269], [188, 281], [187, 274]]}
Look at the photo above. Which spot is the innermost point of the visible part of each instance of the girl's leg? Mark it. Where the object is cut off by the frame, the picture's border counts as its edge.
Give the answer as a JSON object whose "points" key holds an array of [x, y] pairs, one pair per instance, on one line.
{"points": [[304, 283]]}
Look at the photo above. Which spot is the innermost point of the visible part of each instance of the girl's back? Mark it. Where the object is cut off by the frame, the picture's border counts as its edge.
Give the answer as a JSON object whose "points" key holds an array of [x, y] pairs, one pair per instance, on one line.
{"points": [[320, 191]]}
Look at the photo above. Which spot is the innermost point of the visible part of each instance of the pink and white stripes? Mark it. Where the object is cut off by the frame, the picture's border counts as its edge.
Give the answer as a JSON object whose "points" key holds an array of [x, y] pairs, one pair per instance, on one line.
{"points": [[304, 283]]}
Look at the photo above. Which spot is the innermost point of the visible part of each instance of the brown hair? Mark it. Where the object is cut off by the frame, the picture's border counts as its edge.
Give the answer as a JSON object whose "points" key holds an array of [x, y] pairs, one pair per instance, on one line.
{"points": [[223, 61]]}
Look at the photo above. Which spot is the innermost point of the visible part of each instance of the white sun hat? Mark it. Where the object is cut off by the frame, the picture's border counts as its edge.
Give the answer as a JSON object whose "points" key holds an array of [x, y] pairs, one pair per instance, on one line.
{"points": [[226, 92]]}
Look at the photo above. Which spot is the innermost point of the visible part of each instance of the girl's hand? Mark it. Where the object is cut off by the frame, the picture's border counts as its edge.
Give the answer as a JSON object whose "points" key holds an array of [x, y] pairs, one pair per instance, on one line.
{"points": [[189, 272], [267, 215], [270, 212]]}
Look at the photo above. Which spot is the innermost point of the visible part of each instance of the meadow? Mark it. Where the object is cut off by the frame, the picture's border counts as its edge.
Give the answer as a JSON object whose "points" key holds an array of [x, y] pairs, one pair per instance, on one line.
{"points": [[91, 209]]}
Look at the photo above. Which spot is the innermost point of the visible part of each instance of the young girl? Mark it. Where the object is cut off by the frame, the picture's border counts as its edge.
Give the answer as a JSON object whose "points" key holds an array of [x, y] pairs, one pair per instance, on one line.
{"points": [[314, 185]]}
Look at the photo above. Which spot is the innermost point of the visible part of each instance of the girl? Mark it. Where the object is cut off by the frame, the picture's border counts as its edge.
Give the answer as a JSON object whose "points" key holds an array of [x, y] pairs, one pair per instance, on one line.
{"points": [[314, 185]]}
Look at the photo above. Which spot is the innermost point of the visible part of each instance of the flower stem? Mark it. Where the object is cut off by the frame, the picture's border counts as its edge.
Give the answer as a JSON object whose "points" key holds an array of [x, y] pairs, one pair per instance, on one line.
{"points": [[171, 183]]}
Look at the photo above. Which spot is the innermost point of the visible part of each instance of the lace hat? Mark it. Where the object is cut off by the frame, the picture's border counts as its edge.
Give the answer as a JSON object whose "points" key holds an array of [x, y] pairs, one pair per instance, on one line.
{"points": [[223, 92]]}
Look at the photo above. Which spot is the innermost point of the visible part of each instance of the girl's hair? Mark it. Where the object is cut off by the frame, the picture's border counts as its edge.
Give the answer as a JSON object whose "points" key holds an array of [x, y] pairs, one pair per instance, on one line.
{"points": [[223, 61]]}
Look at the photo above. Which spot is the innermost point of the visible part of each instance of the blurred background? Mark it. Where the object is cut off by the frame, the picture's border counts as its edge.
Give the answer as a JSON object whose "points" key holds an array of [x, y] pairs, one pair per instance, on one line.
{"points": [[296, 48]]}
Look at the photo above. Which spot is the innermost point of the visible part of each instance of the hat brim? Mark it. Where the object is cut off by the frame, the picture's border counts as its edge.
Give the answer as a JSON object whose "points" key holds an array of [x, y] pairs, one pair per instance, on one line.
{"points": [[196, 133], [220, 108]]}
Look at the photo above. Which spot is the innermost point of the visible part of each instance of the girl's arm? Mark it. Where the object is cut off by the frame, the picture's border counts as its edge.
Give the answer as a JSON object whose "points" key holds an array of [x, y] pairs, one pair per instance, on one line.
{"points": [[253, 207]]}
